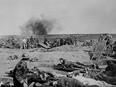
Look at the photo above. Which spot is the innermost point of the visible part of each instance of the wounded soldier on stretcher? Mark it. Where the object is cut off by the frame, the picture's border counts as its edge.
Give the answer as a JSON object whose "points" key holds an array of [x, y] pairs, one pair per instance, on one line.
{"points": [[40, 76], [69, 64]]}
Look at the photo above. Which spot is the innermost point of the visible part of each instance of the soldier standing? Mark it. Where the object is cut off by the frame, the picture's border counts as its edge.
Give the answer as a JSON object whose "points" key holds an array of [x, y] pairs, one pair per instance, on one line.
{"points": [[61, 41], [28, 43], [46, 42], [24, 43]]}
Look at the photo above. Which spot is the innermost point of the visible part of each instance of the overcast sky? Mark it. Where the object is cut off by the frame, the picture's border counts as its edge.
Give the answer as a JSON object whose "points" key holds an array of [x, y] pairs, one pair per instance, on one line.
{"points": [[72, 16]]}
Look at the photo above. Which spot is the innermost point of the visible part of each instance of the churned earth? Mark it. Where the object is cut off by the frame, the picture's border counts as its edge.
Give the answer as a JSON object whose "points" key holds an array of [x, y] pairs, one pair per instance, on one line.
{"points": [[46, 58]]}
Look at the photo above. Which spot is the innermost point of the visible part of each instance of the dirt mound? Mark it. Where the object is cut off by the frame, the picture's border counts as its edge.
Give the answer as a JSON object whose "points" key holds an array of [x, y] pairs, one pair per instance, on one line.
{"points": [[44, 58], [64, 48]]}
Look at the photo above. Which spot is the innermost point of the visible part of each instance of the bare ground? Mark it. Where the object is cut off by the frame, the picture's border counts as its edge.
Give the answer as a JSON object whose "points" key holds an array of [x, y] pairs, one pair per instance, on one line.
{"points": [[46, 58]]}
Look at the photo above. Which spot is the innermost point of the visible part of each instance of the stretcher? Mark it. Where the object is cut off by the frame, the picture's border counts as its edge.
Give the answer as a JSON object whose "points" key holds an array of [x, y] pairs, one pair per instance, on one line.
{"points": [[59, 67], [44, 46]]}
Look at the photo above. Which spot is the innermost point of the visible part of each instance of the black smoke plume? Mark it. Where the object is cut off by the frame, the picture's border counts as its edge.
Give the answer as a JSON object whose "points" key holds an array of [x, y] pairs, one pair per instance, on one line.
{"points": [[36, 26]]}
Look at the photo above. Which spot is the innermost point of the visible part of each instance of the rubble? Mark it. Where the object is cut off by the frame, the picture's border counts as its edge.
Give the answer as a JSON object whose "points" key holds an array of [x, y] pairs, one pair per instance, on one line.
{"points": [[14, 57]]}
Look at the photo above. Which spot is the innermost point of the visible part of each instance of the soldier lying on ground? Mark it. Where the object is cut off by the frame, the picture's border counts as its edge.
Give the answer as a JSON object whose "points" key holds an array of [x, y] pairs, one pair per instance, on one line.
{"points": [[70, 64], [88, 81], [71, 82], [109, 75], [67, 82], [22, 75], [76, 81], [94, 66], [6, 84], [108, 79], [40, 76]]}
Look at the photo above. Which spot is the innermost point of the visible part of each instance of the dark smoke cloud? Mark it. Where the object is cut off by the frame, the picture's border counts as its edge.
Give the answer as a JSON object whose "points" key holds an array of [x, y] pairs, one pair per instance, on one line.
{"points": [[35, 26]]}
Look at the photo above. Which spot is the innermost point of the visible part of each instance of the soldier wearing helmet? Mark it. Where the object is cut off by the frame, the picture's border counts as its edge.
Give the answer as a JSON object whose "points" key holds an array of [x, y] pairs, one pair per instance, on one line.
{"points": [[20, 71], [69, 64]]}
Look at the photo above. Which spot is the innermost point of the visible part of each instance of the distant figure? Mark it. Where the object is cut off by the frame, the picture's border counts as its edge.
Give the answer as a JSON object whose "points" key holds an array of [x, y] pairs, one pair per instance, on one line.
{"points": [[75, 41], [109, 50], [28, 43], [61, 41], [100, 38], [20, 71], [46, 42], [24, 44], [109, 39]]}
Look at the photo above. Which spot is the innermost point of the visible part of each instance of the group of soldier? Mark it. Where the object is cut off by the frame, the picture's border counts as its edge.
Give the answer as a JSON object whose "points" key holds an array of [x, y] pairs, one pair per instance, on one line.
{"points": [[31, 42], [104, 46], [23, 76], [60, 41], [9, 42], [88, 43], [34, 42], [95, 72]]}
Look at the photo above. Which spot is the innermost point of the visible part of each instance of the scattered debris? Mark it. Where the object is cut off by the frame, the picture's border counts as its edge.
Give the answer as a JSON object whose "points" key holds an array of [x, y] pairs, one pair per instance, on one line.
{"points": [[14, 57]]}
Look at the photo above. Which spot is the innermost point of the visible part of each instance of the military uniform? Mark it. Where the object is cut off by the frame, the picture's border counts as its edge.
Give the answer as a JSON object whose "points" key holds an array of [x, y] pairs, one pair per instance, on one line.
{"points": [[70, 64], [39, 76], [114, 48], [111, 69], [24, 44], [19, 73]]}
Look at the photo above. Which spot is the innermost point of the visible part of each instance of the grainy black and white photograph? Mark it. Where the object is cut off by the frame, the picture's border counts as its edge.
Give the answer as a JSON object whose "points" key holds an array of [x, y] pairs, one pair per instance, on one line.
{"points": [[57, 43]]}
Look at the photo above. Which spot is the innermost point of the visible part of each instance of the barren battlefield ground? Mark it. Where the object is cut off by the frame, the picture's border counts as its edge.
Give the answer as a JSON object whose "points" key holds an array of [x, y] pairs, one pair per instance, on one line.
{"points": [[46, 58]]}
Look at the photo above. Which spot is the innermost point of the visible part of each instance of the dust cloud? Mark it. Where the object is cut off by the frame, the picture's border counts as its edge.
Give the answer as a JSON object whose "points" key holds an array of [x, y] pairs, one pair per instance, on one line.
{"points": [[38, 26]]}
